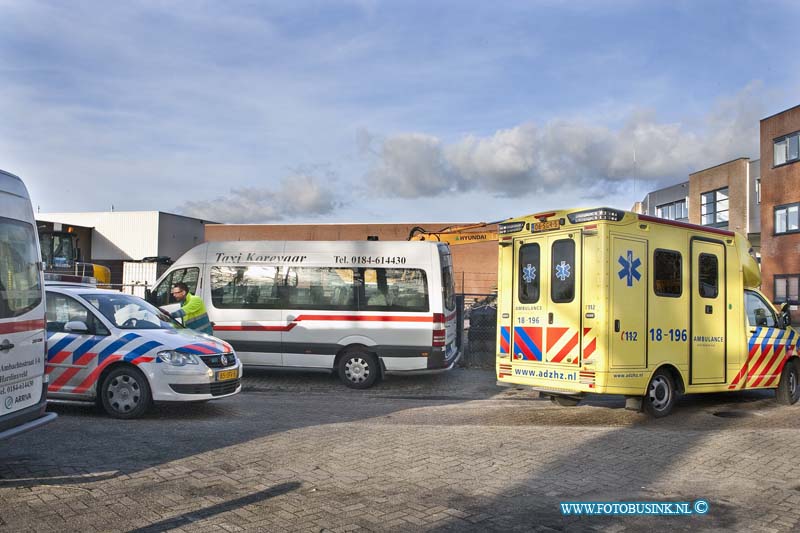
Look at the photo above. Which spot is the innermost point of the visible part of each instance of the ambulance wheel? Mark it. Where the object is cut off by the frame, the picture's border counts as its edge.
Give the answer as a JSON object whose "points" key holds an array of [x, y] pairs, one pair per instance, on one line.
{"points": [[660, 395], [359, 369], [564, 401], [125, 393], [788, 390]]}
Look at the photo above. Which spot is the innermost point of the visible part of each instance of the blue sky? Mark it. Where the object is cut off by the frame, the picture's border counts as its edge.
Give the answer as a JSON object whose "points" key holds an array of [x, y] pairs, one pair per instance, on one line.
{"points": [[381, 111]]}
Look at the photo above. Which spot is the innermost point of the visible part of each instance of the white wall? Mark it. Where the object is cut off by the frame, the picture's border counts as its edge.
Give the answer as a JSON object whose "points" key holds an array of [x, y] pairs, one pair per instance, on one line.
{"points": [[134, 235]]}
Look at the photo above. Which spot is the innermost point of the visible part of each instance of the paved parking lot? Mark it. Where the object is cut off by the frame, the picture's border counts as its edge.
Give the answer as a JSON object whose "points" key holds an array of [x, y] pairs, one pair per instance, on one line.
{"points": [[299, 452]]}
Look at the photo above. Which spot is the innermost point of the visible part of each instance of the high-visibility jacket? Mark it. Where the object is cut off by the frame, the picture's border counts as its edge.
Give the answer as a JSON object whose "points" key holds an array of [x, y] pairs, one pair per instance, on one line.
{"points": [[193, 312]]}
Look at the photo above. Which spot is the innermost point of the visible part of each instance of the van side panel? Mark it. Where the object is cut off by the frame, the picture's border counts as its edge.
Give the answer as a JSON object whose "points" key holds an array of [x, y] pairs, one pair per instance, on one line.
{"points": [[22, 312]]}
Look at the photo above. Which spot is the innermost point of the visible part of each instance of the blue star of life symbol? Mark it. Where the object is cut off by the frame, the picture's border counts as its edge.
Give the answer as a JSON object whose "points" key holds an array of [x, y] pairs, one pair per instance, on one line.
{"points": [[629, 268], [562, 270], [529, 273]]}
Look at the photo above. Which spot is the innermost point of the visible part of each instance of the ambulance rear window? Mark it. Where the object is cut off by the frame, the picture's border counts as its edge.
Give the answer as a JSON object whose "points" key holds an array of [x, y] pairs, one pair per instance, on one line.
{"points": [[562, 277], [529, 273], [667, 278]]}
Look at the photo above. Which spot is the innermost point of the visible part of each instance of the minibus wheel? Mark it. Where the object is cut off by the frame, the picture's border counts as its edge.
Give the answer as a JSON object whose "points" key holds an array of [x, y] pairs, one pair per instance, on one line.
{"points": [[788, 390], [660, 395], [125, 393], [359, 369]]}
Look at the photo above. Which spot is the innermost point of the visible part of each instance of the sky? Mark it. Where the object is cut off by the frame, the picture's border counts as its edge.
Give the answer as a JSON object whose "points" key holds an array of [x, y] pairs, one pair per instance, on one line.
{"points": [[382, 111]]}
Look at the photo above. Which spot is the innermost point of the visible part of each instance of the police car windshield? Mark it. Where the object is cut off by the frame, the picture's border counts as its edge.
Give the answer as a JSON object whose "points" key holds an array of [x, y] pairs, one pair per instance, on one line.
{"points": [[129, 312]]}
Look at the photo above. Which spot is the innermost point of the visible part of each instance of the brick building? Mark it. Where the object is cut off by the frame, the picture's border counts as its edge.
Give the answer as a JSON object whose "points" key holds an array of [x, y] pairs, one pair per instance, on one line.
{"points": [[474, 264], [780, 201]]}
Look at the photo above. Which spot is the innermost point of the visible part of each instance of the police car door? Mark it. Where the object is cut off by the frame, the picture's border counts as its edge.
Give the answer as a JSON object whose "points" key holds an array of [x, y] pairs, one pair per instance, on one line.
{"points": [[74, 337]]}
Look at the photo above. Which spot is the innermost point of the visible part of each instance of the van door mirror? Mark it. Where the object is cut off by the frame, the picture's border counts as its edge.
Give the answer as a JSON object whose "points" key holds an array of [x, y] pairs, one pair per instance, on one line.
{"points": [[786, 315], [76, 326]]}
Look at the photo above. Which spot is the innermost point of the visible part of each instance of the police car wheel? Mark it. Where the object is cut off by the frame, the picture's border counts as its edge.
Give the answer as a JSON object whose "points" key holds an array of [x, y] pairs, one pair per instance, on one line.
{"points": [[660, 396], [125, 393], [359, 370], [788, 390]]}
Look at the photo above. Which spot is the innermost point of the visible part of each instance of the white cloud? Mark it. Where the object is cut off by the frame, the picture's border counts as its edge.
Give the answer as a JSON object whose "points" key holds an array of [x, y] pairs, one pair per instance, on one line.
{"points": [[298, 195], [566, 155]]}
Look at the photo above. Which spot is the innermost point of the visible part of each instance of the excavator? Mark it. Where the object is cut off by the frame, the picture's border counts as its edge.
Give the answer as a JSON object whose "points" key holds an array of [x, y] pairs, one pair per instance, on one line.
{"points": [[61, 255], [455, 235]]}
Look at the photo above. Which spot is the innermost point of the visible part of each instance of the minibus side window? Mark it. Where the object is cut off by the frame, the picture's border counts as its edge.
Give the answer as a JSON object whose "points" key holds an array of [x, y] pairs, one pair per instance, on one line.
{"points": [[529, 273], [394, 289], [667, 275], [562, 276], [321, 288], [20, 290], [253, 287], [759, 312], [709, 276]]}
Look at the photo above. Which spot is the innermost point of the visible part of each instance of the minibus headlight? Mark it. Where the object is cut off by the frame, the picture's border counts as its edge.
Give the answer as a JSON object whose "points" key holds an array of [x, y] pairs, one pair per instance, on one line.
{"points": [[177, 358]]}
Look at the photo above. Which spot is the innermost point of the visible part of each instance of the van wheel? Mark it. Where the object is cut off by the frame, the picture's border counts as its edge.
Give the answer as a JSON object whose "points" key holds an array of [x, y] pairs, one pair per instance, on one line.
{"points": [[125, 393], [359, 369], [660, 395], [788, 390], [564, 401]]}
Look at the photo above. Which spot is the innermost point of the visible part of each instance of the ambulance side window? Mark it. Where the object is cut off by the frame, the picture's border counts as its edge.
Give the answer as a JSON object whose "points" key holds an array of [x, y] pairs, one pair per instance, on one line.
{"points": [[529, 273], [759, 312], [562, 276], [708, 276], [667, 275]]}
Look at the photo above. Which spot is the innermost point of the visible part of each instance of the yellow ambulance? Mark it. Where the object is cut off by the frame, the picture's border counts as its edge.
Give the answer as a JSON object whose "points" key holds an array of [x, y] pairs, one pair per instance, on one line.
{"points": [[606, 301]]}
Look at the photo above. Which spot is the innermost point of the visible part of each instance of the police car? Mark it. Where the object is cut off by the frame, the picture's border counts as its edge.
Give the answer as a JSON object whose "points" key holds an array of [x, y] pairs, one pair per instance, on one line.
{"points": [[120, 351]]}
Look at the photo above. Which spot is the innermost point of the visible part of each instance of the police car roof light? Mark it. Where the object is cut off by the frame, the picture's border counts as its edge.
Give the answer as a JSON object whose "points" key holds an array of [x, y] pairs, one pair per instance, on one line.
{"points": [[51, 278]]}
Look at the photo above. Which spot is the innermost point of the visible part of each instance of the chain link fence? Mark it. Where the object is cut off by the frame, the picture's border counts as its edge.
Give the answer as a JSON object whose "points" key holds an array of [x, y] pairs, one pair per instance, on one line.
{"points": [[479, 329]]}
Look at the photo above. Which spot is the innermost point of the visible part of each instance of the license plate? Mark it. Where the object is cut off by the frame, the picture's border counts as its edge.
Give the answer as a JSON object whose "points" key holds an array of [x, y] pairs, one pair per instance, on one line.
{"points": [[227, 374], [550, 225]]}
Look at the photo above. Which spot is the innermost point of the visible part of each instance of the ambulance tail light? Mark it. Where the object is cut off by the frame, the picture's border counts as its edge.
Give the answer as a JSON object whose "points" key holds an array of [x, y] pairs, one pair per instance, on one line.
{"points": [[438, 337], [590, 215]]}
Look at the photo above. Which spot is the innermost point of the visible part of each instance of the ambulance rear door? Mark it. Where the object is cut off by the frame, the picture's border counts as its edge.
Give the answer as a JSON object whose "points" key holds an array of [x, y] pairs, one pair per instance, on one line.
{"points": [[547, 292]]}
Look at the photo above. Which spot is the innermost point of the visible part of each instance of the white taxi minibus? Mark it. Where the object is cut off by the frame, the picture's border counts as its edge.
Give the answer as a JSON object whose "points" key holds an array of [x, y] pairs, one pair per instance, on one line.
{"points": [[23, 383], [360, 308]]}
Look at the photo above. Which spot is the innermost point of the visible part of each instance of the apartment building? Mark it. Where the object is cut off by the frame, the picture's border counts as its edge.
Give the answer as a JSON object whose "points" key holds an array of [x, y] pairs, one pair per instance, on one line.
{"points": [[780, 203]]}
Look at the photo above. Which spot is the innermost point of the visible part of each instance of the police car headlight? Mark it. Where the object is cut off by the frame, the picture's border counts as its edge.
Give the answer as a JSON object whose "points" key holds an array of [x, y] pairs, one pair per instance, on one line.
{"points": [[177, 358]]}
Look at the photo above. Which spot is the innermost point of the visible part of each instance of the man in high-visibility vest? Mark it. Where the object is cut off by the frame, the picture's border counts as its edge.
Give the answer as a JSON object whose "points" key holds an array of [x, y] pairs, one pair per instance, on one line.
{"points": [[192, 311]]}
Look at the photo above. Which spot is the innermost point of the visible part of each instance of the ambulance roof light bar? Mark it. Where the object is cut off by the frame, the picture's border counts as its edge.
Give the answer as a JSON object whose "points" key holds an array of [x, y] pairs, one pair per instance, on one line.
{"points": [[590, 215], [510, 227]]}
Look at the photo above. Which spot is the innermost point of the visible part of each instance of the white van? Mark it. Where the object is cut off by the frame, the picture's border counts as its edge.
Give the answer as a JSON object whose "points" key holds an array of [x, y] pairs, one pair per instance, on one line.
{"points": [[23, 383], [361, 308]]}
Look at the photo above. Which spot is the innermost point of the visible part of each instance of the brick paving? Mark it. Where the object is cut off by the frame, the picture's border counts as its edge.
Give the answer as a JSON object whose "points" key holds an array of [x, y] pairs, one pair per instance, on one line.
{"points": [[299, 452]]}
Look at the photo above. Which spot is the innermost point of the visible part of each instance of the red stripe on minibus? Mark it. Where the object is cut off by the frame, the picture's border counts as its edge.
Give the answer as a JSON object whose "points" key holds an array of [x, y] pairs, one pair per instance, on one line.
{"points": [[327, 318], [19, 327]]}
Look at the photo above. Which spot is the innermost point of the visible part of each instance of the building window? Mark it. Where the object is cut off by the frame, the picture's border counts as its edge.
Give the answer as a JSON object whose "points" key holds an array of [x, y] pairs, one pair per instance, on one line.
{"points": [[758, 190], [787, 149], [786, 219], [786, 289], [714, 208], [673, 211]]}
